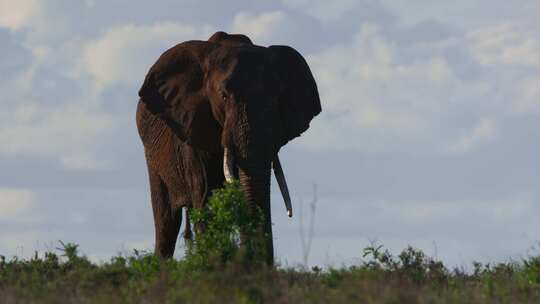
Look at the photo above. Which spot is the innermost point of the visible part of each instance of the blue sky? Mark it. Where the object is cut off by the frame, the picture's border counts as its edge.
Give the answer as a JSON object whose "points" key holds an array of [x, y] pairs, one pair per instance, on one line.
{"points": [[428, 134]]}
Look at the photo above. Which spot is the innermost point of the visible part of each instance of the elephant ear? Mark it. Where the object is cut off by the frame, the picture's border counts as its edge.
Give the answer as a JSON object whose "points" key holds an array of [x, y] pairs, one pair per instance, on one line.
{"points": [[174, 91], [299, 100]]}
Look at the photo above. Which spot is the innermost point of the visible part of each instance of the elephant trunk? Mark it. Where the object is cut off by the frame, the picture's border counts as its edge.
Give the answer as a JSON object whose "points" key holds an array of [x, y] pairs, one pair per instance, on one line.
{"points": [[255, 183], [229, 171]]}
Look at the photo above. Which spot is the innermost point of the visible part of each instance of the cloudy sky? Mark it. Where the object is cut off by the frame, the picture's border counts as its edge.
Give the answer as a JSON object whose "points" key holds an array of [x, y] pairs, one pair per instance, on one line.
{"points": [[428, 134]]}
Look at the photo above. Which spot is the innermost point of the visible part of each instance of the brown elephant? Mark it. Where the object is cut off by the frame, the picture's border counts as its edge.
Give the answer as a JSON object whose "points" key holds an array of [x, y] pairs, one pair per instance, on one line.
{"points": [[215, 110]]}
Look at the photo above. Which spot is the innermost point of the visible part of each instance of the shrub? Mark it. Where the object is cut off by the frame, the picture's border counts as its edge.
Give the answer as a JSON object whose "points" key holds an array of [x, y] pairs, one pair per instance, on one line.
{"points": [[411, 263], [230, 230], [409, 277]]}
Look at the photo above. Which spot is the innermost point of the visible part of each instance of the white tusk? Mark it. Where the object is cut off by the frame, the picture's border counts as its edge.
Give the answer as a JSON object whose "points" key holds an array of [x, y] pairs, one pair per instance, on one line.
{"points": [[228, 165], [280, 177]]}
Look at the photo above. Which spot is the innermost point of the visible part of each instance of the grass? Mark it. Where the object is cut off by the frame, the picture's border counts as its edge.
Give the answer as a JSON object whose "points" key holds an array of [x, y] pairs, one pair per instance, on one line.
{"points": [[410, 277], [220, 268]]}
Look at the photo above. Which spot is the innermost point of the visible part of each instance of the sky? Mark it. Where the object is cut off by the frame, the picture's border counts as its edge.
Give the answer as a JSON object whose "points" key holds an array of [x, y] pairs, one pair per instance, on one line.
{"points": [[428, 135]]}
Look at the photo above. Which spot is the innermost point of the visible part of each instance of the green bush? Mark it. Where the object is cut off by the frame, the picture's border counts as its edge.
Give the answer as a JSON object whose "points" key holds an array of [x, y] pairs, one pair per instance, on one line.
{"points": [[409, 277], [230, 230]]}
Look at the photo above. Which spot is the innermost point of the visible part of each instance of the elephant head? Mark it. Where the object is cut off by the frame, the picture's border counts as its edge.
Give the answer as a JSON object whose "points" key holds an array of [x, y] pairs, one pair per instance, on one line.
{"points": [[230, 96]]}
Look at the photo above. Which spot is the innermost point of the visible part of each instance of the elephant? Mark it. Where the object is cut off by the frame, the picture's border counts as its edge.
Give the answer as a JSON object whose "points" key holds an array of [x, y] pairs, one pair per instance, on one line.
{"points": [[210, 111]]}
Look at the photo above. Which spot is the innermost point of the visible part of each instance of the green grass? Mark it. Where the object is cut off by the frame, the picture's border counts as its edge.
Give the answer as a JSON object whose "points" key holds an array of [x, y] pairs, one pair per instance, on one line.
{"points": [[222, 267], [410, 277]]}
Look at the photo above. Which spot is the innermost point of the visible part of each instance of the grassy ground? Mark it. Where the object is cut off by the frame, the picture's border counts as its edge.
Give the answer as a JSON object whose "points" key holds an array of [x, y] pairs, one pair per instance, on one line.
{"points": [[411, 277]]}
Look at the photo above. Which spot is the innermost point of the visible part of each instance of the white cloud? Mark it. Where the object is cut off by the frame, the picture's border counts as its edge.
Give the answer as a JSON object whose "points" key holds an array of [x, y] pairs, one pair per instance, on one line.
{"points": [[375, 99], [326, 11], [123, 54], [384, 93], [485, 130], [504, 44], [15, 15], [527, 95], [66, 134], [14, 202], [260, 28], [73, 130]]}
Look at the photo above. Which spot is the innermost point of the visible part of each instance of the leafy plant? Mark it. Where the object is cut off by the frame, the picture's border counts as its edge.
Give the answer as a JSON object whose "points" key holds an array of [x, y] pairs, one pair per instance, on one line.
{"points": [[408, 277], [410, 263], [230, 229]]}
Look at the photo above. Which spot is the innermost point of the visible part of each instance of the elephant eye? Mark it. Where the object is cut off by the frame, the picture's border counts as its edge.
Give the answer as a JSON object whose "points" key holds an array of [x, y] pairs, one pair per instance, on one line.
{"points": [[224, 96]]}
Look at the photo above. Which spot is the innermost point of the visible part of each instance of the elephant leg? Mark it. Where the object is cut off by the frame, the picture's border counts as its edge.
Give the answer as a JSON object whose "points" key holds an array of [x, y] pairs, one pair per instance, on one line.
{"points": [[167, 220]]}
